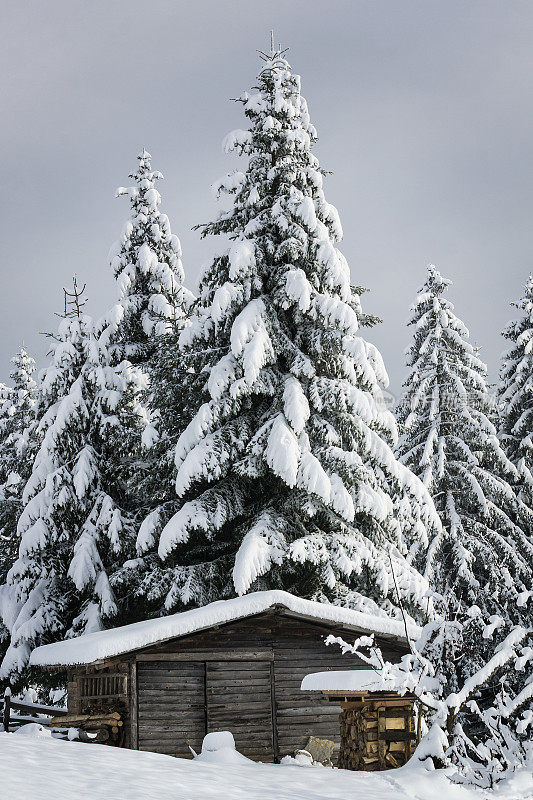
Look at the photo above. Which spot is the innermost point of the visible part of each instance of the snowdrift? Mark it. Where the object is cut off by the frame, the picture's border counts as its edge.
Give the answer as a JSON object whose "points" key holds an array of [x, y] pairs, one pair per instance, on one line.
{"points": [[45, 769]]}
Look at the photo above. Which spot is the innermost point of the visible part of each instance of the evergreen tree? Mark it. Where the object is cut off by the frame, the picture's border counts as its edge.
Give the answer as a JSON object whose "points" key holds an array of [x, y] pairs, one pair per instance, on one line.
{"points": [[74, 572], [146, 262], [516, 394], [17, 450], [6, 403], [285, 475], [448, 440], [142, 329], [141, 333], [71, 530], [6, 394], [172, 388]]}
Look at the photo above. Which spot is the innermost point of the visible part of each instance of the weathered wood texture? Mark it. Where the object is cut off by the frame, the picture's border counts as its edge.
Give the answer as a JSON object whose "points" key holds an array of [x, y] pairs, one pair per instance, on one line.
{"points": [[298, 650], [171, 706], [134, 708], [244, 677], [239, 699], [73, 692]]}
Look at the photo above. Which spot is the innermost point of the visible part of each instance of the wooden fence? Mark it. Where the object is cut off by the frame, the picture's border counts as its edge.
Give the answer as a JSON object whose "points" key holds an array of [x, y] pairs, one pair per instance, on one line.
{"points": [[15, 713]]}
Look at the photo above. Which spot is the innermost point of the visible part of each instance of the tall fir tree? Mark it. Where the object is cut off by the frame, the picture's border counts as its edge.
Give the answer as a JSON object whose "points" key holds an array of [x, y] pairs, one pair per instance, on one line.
{"points": [[6, 395], [17, 450], [146, 263], [170, 406], [285, 475], [6, 404], [18, 443], [72, 532], [141, 333], [448, 440], [151, 311], [516, 394]]}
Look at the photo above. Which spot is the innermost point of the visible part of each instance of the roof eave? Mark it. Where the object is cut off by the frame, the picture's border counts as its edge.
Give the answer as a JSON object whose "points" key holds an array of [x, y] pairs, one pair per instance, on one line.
{"points": [[287, 611]]}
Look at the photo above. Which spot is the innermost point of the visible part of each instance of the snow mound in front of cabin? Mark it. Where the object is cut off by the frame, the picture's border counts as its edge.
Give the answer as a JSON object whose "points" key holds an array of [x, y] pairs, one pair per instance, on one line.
{"points": [[219, 748], [34, 730], [41, 769]]}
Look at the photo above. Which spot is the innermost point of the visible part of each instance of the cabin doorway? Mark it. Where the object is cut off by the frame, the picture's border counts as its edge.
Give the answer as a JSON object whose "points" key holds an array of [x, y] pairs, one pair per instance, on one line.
{"points": [[180, 701]]}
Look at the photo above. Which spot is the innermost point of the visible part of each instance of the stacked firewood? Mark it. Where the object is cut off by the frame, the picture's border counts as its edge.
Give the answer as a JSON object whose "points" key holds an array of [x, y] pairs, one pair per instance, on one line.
{"points": [[98, 728], [375, 736]]}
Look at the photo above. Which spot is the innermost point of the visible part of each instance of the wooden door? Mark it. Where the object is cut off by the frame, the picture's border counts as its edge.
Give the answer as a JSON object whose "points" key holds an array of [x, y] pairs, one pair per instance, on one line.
{"points": [[239, 700], [171, 706]]}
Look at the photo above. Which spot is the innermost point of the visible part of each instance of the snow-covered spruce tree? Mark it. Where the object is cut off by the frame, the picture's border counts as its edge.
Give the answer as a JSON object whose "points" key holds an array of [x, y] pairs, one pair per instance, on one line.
{"points": [[516, 394], [141, 333], [286, 474], [6, 403], [71, 530], [151, 311], [170, 406], [17, 450], [6, 394], [146, 262], [484, 555]]}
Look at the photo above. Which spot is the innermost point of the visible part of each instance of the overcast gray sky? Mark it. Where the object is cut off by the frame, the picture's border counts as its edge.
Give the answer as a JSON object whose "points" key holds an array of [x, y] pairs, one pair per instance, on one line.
{"points": [[424, 111]]}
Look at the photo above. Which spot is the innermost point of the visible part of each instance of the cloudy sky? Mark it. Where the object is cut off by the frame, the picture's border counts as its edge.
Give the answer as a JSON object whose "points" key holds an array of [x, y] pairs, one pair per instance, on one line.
{"points": [[424, 111]]}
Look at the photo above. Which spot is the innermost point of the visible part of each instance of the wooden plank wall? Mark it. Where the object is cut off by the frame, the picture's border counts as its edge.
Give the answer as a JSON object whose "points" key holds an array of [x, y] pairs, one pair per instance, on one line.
{"points": [[180, 701], [239, 700], [171, 706], [298, 650], [240, 677]]}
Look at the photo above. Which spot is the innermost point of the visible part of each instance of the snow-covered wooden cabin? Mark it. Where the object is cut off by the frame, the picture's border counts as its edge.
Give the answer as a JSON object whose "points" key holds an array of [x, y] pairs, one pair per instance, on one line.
{"points": [[236, 665]]}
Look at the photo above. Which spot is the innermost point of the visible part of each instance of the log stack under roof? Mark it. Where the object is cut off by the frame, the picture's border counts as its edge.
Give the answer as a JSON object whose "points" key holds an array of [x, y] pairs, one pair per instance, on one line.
{"points": [[376, 726], [377, 732]]}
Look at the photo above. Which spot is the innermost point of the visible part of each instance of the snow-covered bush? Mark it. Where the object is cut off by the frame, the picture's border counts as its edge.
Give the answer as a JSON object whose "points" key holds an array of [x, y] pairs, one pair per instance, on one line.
{"points": [[485, 741]]}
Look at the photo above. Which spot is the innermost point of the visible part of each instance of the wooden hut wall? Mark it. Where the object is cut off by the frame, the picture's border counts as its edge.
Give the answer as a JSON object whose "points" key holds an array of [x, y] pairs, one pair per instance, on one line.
{"points": [[244, 677]]}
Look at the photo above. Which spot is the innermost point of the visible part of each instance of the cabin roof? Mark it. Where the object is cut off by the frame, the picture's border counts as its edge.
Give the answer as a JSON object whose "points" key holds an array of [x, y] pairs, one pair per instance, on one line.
{"points": [[94, 647]]}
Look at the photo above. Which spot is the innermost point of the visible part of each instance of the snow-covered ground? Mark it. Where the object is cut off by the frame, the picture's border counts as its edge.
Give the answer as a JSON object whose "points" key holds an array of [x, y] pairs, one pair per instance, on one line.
{"points": [[47, 769]]}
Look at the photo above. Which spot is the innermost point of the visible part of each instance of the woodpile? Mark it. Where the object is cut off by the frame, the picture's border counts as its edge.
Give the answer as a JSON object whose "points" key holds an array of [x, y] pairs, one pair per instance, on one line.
{"points": [[103, 728], [376, 734]]}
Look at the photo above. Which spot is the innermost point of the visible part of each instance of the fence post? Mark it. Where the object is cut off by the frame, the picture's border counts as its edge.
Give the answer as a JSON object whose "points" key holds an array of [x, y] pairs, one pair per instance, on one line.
{"points": [[7, 709]]}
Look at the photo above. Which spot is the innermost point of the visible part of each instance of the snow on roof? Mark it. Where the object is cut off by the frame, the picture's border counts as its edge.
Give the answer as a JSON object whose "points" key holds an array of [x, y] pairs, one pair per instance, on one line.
{"points": [[116, 641], [349, 680]]}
